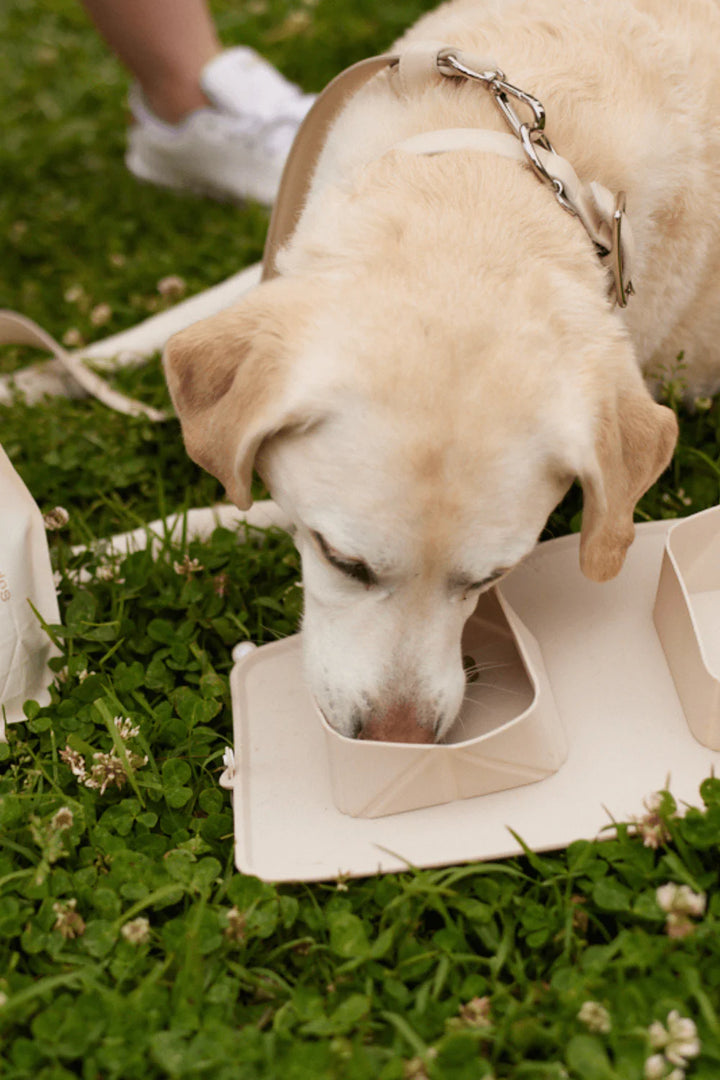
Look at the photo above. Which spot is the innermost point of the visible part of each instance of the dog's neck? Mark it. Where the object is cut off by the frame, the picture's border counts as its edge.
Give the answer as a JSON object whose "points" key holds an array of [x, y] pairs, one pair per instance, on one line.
{"points": [[601, 215]]}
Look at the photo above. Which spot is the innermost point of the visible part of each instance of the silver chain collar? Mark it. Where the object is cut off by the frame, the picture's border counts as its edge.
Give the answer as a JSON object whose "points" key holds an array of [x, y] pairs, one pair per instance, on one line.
{"points": [[532, 135]]}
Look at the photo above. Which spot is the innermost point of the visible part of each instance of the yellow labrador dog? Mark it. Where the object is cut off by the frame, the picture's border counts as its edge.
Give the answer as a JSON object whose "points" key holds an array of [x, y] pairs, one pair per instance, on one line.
{"points": [[441, 352]]}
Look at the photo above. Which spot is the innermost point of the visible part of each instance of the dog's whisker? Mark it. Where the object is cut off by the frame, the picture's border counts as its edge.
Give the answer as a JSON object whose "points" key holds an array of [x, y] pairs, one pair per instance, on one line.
{"points": [[476, 669], [489, 686]]}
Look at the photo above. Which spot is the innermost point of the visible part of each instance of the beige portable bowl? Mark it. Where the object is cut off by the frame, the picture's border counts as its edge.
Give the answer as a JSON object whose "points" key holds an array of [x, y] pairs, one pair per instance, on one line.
{"points": [[508, 732], [687, 618]]}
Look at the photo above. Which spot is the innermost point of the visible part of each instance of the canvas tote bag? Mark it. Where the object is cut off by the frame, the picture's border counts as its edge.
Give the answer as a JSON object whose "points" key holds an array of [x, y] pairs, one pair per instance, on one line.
{"points": [[26, 578], [26, 581]]}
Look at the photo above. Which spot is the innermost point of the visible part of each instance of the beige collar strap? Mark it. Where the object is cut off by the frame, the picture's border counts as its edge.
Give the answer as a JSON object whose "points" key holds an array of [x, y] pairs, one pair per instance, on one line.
{"points": [[592, 203], [598, 211]]}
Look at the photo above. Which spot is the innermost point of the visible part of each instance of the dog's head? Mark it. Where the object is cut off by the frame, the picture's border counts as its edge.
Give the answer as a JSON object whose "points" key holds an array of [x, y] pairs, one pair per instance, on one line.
{"points": [[418, 451]]}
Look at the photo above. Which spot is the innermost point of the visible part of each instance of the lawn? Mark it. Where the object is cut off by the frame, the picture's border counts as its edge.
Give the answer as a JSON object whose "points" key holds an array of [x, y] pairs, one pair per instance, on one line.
{"points": [[129, 946]]}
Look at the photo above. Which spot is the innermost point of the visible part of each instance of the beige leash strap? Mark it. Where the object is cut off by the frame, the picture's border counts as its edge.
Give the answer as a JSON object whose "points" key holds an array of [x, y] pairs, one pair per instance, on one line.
{"points": [[416, 67], [306, 149], [18, 330]]}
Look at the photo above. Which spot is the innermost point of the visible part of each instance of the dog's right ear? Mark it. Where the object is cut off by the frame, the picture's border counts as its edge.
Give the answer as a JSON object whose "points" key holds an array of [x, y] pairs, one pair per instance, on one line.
{"points": [[635, 439], [230, 380]]}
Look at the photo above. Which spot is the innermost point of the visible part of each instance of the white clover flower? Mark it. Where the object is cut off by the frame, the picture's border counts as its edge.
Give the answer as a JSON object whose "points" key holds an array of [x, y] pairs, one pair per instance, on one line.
{"points": [[235, 930], [3, 999], [187, 567], [595, 1017], [665, 896], [695, 903], [653, 835], [657, 1034], [476, 1012], [654, 1067], [62, 819], [683, 1040], [106, 572], [109, 769], [55, 519], [100, 314], [137, 931], [117, 259], [651, 826], [679, 1041], [125, 727], [171, 287], [416, 1068], [74, 294], [129, 358], [653, 802], [76, 762], [72, 337], [68, 921], [679, 902]]}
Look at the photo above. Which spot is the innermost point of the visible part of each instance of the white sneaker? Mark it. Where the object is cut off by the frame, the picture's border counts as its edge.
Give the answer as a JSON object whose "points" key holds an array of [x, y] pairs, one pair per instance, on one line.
{"points": [[234, 149]]}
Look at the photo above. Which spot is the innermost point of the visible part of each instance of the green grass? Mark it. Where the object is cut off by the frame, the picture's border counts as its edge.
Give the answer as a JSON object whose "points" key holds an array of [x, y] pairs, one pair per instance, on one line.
{"points": [[453, 974]]}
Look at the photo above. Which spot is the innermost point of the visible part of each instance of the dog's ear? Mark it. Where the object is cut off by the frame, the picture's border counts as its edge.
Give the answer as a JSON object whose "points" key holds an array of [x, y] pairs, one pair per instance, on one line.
{"points": [[634, 441], [230, 380]]}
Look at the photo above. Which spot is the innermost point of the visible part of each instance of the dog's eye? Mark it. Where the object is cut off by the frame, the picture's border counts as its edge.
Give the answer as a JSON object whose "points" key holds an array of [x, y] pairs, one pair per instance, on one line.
{"points": [[352, 568], [488, 580]]}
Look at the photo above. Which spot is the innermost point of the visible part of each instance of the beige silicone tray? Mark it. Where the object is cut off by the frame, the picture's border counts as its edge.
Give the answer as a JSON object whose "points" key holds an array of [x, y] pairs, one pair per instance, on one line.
{"points": [[626, 737], [687, 618]]}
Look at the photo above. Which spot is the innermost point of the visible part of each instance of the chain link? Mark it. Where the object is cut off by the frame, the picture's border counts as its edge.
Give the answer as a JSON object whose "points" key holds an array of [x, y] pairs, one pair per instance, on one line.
{"points": [[531, 135]]}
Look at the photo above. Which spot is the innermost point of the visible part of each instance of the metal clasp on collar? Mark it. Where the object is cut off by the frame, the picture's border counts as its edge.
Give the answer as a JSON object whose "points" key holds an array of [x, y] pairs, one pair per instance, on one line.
{"points": [[622, 290], [530, 135], [614, 254]]}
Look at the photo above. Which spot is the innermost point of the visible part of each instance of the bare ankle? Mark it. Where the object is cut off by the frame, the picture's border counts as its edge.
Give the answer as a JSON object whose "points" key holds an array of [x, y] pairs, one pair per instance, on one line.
{"points": [[173, 100]]}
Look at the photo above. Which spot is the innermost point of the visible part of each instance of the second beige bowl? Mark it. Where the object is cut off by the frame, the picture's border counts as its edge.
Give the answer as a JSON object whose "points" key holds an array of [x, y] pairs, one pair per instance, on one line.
{"points": [[687, 619]]}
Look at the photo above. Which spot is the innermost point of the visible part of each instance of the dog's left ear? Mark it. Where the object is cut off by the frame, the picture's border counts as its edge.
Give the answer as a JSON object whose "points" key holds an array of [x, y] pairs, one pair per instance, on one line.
{"points": [[233, 381], [634, 442]]}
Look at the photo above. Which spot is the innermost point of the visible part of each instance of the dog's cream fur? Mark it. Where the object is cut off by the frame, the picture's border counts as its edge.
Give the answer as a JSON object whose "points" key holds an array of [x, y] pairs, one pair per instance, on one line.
{"points": [[438, 359]]}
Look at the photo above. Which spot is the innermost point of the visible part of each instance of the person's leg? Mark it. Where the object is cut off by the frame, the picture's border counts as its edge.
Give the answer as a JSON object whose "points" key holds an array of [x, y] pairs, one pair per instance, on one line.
{"points": [[218, 122], [165, 44]]}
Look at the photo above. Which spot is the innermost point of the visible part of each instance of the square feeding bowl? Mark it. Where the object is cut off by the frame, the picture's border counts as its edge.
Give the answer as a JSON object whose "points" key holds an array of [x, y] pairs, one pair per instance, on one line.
{"points": [[508, 733], [687, 619]]}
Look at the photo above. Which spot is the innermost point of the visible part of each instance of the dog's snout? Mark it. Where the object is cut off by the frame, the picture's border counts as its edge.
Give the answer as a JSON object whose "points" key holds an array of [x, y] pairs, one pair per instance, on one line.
{"points": [[398, 723]]}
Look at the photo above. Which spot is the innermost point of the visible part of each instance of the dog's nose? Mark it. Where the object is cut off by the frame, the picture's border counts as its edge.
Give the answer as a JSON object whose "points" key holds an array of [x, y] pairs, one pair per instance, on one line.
{"points": [[399, 723]]}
